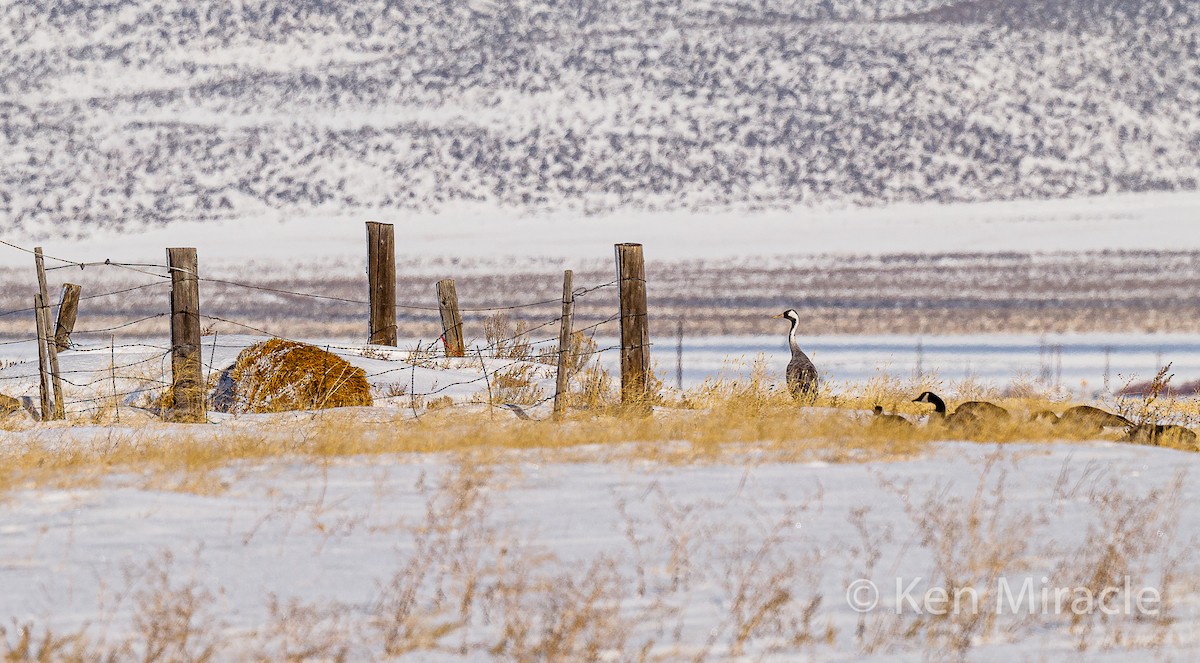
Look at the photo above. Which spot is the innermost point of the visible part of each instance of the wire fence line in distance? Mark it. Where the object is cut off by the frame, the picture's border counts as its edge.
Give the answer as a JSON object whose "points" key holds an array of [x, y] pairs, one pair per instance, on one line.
{"points": [[164, 275]]}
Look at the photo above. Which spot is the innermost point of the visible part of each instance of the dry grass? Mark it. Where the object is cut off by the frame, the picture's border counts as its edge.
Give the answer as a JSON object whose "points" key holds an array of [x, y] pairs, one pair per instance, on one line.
{"points": [[471, 584], [718, 420]]}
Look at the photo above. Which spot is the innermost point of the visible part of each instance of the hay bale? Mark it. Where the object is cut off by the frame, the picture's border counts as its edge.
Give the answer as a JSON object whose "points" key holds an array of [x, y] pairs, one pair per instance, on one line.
{"points": [[280, 376]]}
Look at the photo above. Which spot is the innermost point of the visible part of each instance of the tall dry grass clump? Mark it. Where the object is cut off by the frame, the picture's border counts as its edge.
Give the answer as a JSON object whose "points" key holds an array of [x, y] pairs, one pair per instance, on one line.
{"points": [[516, 381]]}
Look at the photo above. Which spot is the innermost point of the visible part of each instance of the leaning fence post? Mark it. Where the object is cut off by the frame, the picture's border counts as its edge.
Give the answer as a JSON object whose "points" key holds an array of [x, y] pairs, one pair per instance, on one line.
{"points": [[564, 342], [635, 333], [60, 411], [187, 379], [68, 310], [451, 318], [43, 368], [47, 344], [381, 278]]}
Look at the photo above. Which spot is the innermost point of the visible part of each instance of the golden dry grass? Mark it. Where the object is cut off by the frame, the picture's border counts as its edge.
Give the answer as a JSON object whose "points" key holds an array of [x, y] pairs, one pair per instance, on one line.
{"points": [[740, 420], [472, 584]]}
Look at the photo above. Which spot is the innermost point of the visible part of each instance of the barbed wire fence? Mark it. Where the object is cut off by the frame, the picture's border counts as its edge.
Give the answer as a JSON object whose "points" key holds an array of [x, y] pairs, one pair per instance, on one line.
{"points": [[149, 375]]}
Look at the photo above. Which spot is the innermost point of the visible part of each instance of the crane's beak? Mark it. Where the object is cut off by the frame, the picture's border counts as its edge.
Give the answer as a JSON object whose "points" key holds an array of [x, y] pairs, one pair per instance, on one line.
{"points": [[776, 317]]}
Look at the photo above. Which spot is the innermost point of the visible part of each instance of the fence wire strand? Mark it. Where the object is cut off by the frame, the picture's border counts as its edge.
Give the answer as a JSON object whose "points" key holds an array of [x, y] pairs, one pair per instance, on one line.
{"points": [[409, 363]]}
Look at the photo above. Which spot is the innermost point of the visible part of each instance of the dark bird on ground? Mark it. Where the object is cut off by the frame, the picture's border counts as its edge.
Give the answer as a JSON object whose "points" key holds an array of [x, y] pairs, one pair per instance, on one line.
{"points": [[1158, 434], [969, 413], [801, 373], [882, 419], [1083, 418]]}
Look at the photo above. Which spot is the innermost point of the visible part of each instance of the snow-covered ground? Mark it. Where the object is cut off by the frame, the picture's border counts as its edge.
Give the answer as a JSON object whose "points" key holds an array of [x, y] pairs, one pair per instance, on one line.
{"points": [[682, 559], [137, 372], [1154, 221]]}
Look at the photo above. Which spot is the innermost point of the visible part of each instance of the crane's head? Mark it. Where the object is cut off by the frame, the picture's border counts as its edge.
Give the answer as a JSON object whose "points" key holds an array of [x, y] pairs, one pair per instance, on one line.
{"points": [[789, 314], [927, 397]]}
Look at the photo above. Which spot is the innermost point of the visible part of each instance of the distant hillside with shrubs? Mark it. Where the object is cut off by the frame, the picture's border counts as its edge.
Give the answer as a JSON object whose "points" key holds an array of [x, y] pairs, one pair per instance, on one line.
{"points": [[134, 112]]}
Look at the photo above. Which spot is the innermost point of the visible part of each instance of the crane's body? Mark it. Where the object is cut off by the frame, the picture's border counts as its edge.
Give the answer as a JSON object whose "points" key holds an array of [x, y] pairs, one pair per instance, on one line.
{"points": [[802, 378]]}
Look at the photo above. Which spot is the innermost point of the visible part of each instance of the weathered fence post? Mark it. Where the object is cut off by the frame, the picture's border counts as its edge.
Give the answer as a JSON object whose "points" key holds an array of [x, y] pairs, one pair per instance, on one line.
{"points": [[68, 310], [60, 408], [679, 355], [47, 344], [381, 278], [564, 342], [187, 379], [43, 368], [635, 333], [451, 318]]}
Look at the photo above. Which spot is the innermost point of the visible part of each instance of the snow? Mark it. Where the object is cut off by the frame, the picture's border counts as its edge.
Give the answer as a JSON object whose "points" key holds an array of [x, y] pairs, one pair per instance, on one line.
{"points": [[1118, 222], [338, 533], [143, 369]]}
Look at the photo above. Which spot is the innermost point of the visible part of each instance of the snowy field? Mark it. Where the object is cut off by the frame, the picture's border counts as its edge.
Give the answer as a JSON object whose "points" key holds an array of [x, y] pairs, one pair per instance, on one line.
{"points": [[613, 550], [1150, 222], [989, 193], [442, 560]]}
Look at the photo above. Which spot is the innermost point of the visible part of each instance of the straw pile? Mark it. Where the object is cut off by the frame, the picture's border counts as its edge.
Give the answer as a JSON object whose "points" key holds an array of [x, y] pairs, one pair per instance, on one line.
{"points": [[280, 376]]}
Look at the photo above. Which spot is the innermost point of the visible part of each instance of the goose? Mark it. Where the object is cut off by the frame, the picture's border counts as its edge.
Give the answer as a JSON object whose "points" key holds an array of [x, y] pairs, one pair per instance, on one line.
{"points": [[882, 419], [1156, 434], [1083, 418], [971, 412], [801, 373]]}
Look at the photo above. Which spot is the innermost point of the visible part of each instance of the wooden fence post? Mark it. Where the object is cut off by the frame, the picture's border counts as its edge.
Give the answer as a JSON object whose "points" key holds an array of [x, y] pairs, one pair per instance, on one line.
{"points": [[635, 332], [68, 310], [564, 342], [381, 278], [43, 368], [679, 355], [48, 346], [451, 318], [187, 378], [60, 408]]}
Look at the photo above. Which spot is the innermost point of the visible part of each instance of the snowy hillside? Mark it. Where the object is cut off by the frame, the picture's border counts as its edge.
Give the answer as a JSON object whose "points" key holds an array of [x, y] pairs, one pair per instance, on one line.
{"points": [[120, 114]]}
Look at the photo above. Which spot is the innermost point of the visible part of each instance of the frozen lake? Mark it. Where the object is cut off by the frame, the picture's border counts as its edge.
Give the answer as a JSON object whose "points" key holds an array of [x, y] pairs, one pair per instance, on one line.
{"points": [[1078, 362]]}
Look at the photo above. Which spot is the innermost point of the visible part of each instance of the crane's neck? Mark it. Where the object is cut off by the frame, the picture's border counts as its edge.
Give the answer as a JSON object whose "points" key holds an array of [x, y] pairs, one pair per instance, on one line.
{"points": [[792, 337], [939, 405]]}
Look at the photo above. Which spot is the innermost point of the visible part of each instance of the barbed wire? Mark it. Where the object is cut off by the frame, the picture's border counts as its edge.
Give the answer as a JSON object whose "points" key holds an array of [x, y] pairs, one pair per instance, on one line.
{"points": [[32, 252], [120, 326], [414, 307], [89, 297], [88, 349], [135, 267], [103, 397], [411, 362], [78, 371]]}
